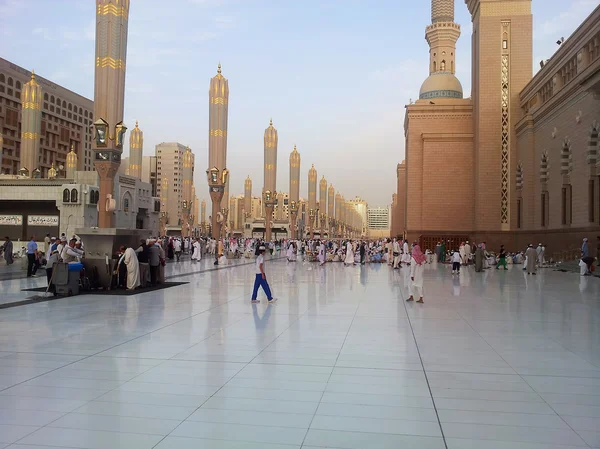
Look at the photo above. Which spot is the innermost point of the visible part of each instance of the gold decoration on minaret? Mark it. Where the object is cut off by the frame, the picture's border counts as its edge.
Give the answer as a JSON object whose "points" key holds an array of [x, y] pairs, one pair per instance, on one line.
{"points": [[323, 195], [295, 176], [31, 124], [72, 162], [248, 196], [52, 172], [136, 149], [188, 179], [203, 212], [270, 155]]}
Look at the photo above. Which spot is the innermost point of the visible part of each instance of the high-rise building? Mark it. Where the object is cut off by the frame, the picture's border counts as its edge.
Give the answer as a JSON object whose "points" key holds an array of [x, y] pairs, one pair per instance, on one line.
{"points": [[64, 121], [378, 218], [169, 165], [361, 207]]}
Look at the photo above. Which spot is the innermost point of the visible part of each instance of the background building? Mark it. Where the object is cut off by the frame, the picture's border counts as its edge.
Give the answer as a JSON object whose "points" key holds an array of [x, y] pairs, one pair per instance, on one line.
{"points": [[361, 208], [378, 222], [169, 164], [65, 121]]}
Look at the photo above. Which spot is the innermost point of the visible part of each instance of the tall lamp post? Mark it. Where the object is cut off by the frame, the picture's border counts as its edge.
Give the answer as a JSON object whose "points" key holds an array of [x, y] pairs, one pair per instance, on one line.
{"points": [[294, 215], [269, 202], [216, 185]]}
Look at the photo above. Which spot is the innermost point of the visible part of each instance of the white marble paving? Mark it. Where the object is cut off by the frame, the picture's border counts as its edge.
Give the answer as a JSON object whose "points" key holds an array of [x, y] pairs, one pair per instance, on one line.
{"points": [[494, 360]]}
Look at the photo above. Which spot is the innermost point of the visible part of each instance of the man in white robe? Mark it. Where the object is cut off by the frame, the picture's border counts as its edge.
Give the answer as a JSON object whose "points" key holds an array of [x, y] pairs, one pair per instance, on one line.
{"points": [[405, 253], [196, 254], [467, 253], [349, 260], [540, 254], [396, 254], [322, 254], [133, 269]]}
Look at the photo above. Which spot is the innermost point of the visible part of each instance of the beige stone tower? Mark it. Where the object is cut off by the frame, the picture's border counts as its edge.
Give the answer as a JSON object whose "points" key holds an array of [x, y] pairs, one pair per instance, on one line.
{"points": [[247, 197], [225, 205], [136, 148], [71, 164], [322, 204], [112, 18], [330, 208], [312, 199], [502, 66], [270, 179], [31, 124], [294, 189], [188, 179], [203, 215], [400, 215], [218, 175], [338, 213]]}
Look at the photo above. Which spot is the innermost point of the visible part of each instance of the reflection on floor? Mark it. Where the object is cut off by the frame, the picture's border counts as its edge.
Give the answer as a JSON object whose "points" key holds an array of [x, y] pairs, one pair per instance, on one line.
{"points": [[496, 360]]}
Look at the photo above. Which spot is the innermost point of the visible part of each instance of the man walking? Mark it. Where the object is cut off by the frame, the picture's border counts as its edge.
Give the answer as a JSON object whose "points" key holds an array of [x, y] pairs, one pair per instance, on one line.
{"points": [[261, 279], [531, 254], [502, 259], [32, 257], [177, 248]]}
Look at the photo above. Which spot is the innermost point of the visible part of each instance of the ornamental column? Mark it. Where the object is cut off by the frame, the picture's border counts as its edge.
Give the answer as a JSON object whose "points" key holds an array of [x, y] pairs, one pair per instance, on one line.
{"points": [[338, 213], [270, 181], [109, 95], [330, 209], [203, 216], [188, 177], [312, 199], [136, 148], [31, 125], [71, 164], [294, 190], [217, 173], [164, 205], [323, 205], [247, 199]]}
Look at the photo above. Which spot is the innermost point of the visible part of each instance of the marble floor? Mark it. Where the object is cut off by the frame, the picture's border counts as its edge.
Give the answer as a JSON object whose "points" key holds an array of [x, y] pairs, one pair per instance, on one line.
{"points": [[496, 360]]}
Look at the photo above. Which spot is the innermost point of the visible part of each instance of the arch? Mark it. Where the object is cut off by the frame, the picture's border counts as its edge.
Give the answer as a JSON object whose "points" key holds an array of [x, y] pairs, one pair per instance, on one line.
{"points": [[52, 99], [2, 78], [10, 81], [85, 114], [80, 111], [64, 104], [443, 65], [127, 201], [452, 66], [566, 158], [66, 196], [74, 195], [70, 107], [592, 154], [45, 97], [434, 66], [545, 168], [18, 84], [96, 196], [519, 177]]}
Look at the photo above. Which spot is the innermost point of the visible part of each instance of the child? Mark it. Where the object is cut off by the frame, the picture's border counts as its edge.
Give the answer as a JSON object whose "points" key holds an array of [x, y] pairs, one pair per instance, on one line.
{"points": [[261, 279], [456, 260], [502, 259]]}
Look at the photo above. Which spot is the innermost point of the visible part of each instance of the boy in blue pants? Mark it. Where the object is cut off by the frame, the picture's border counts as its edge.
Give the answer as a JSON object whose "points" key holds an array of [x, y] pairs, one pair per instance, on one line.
{"points": [[261, 279]]}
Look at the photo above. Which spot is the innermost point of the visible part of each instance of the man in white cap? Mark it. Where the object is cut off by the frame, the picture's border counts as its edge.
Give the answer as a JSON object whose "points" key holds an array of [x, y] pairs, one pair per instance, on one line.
{"points": [[540, 254]]}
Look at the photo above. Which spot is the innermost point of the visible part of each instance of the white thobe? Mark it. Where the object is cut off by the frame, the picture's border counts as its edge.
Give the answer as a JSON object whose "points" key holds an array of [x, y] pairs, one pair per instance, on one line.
{"points": [[133, 269], [416, 273], [197, 254], [349, 254], [405, 254], [322, 253], [396, 249]]}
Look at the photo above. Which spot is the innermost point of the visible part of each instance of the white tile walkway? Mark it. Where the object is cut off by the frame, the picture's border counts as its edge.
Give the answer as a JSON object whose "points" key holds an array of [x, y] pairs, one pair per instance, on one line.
{"points": [[496, 360]]}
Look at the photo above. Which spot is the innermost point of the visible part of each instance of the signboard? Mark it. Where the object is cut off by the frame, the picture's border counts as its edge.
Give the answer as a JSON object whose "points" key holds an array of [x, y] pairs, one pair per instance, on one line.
{"points": [[42, 220], [11, 220]]}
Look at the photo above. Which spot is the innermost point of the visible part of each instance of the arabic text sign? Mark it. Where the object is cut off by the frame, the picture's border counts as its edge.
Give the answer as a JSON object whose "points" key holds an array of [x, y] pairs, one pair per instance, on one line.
{"points": [[11, 220], [42, 220]]}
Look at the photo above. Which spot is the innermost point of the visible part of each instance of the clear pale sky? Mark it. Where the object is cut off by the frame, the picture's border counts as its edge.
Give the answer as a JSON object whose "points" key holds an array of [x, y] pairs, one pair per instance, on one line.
{"points": [[333, 74]]}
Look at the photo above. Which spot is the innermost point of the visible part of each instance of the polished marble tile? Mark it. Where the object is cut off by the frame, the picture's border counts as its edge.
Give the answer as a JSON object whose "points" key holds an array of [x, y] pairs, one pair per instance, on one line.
{"points": [[340, 362]]}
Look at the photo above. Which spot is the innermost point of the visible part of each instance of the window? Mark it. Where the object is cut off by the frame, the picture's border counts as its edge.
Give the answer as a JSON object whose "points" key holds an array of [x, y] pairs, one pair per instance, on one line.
{"points": [[126, 204], [591, 200], [66, 196], [567, 203], [74, 195], [545, 206], [519, 212]]}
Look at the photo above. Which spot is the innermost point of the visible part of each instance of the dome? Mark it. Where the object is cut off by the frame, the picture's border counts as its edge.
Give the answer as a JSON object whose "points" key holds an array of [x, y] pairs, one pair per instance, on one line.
{"points": [[441, 85]]}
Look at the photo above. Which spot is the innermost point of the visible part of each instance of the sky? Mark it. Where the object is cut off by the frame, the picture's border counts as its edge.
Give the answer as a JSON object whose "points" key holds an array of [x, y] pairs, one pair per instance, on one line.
{"points": [[335, 75]]}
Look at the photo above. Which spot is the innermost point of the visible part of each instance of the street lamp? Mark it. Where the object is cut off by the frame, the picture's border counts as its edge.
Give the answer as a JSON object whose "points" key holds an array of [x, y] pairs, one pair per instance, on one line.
{"points": [[102, 134]]}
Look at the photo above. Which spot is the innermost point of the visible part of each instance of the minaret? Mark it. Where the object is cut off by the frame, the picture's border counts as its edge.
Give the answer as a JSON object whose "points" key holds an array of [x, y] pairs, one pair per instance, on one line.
{"points": [[203, 215], [280, 198], [312, 199], [294, 190], [338, 212], [330, 208], [31, 124], [502, 45], [322, 205], [164, 204], [442, 35], [112, 18], [225, 205], [188, 179], [136, 148], [218, 176], [270, 181], [71, 164], [247, 198]]}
